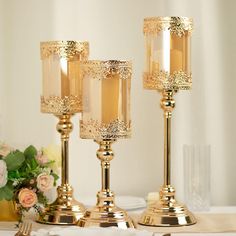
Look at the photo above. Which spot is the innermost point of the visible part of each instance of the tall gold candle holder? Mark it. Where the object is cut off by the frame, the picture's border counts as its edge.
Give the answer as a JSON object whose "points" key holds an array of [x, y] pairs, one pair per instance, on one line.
{"points": [[62, 96], [167, 71], [106, 118]]}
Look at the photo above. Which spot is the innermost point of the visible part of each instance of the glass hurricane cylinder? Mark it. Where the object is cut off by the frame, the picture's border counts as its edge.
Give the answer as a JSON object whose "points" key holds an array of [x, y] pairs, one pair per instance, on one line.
{"points": [[62, 97], [105, 118], [62, 86], [168, 64], [106, 109]]}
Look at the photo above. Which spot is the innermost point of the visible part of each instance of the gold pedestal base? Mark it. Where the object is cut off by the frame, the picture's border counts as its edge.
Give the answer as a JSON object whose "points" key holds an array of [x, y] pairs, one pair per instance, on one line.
{"points": [[65, 210], [167, 212], [106, 214]]}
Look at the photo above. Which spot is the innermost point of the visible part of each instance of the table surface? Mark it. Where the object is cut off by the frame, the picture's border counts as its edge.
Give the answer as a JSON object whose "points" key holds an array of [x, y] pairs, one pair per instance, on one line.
{"points": [[218, 221]]}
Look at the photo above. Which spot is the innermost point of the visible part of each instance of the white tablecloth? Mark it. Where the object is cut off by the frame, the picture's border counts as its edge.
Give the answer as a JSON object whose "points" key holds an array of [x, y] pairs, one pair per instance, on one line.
{"points": [[218, 221]]}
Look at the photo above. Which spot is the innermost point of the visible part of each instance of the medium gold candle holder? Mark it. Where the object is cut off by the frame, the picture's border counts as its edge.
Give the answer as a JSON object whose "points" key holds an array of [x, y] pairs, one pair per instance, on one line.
{"points": [[62, 97], [167, 70], [106, 118]]}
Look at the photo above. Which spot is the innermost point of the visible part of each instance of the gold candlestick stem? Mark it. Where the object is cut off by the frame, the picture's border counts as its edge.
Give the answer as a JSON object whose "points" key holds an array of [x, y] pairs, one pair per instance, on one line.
{"points": [[167, 211], [105, 155], [65, 209], [106, 213], [64, 127], [167, 104]]}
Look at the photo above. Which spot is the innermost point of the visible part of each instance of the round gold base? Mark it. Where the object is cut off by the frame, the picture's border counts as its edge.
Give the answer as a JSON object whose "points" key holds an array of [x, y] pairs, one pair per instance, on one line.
{"points": [[167, 211], [106, 217], [64, 211], [157, 215]]}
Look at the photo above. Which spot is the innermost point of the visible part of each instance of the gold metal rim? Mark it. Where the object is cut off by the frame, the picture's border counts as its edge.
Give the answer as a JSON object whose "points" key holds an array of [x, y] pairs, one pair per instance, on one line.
{"points": [[64, 49], [176, 25], [58, 106], [179, 80], [106, 69], [107, 63], [93, 129]]}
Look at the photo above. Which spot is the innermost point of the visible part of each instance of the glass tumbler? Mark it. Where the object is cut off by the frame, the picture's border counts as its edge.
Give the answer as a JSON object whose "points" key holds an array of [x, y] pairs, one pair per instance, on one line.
{"points": [[197, 177]]}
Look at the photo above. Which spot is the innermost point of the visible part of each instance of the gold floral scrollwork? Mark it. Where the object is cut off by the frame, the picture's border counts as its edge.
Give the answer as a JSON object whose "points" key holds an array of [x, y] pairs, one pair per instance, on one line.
{"points": [[64, 49], [106, 69], [176, 25], [59, 106], [164, 81], [93, 129]]}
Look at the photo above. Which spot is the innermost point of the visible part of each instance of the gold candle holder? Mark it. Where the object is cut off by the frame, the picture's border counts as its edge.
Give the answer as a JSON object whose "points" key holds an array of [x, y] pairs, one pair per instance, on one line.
{"points": [[106, 118], [167, 70], [62, 96]]}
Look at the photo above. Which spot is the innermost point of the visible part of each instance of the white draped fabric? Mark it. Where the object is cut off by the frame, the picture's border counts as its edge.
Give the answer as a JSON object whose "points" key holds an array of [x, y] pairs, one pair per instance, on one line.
{"points": [[204, 115]]}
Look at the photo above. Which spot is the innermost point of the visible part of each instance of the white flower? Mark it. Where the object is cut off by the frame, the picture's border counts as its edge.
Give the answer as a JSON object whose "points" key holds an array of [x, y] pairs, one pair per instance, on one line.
{"points": [[3, 173], [45, 182], [41, 159]]}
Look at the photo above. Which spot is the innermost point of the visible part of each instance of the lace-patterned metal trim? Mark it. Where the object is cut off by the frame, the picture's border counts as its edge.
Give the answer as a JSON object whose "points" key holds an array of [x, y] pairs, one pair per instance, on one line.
{"points": [[164, 81], [176, 25], [59, 106], [64, 49], [106, 69], [93, 129]]}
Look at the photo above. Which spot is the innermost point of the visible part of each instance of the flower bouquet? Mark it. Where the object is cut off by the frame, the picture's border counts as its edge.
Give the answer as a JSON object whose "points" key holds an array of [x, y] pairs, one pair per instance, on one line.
{"points": [[25, 178]]}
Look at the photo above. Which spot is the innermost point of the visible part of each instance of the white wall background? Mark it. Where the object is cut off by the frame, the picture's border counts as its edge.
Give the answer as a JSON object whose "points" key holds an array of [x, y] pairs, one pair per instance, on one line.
{"points": [[205, 115]]}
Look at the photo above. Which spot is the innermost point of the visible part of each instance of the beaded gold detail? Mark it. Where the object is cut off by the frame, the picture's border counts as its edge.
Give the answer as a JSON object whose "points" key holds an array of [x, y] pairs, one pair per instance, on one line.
{"points": [[60, 106], [64, 49], [164, 81], [176, 25], [106, 69], [93, 129]]}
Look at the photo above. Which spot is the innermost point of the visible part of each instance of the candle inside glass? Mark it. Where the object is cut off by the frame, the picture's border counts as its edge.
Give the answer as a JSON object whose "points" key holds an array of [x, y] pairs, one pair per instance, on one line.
{"points": [[61, 77], [106, 100], [110, 98], [167, 52]]}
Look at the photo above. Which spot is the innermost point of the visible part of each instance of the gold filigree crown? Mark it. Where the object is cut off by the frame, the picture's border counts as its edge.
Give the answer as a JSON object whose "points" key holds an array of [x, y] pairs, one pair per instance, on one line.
{"points": [[64, 49], [176, 25], [105, 69]]}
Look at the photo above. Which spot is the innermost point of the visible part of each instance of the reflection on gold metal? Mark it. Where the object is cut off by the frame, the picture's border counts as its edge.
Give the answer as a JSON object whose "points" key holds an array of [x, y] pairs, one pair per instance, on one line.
{"points": [[164, 81], [9, 211], [107, 69], [93, 129], [65, 210], [106, 213], [176, 25], [57, 105], [64, 49], [167, 211]]}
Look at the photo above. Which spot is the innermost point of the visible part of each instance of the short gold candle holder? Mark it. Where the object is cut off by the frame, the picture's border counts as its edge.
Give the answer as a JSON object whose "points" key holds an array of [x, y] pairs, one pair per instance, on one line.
{"points": [[167, 71], [62, 97], [106, 118]]}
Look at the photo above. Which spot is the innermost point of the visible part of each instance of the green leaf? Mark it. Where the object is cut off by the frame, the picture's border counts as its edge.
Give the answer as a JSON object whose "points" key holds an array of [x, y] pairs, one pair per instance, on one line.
{"points": [[13, 175], [56, 177], [30, 152], [6, 192], [14, 160]]}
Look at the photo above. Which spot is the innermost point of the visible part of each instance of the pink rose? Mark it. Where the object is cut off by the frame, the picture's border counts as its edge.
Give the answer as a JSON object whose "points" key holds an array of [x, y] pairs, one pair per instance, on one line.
{"points": [[41, 158], [45, 182], [3, 173], [27, 197]]}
